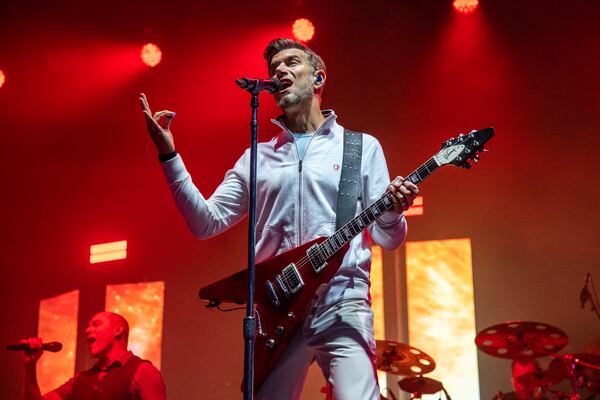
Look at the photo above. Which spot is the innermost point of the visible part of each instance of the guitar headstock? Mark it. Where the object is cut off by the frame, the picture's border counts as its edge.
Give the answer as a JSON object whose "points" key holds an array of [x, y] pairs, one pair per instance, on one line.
{"points": [[464, 148]]}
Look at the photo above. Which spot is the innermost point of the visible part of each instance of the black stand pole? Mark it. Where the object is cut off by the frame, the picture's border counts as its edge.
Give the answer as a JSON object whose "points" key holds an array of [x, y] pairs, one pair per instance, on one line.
{"points": [[593, 298], [249, 321]]}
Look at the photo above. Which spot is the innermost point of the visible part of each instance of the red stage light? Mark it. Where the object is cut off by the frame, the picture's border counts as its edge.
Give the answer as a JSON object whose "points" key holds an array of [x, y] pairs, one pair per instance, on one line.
{"points": [[151, 54], [2, 78], [465, 6], [303, 30]]}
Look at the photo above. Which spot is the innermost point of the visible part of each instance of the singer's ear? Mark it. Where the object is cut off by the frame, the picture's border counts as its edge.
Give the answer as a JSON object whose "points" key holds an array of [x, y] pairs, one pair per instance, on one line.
{"points": [[320, 77]]}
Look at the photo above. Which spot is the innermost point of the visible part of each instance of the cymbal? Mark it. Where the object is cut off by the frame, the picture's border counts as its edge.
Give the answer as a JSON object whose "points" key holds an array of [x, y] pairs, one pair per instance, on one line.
{"points": [[420, 385], [583, 362], [521, 339], [401, 359]]}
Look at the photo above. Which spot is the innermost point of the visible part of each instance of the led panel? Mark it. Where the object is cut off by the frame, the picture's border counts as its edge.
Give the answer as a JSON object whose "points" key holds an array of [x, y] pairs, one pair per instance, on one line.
{"points": [[141, 304], [416, 208], [377, 303], [441, 312], [108, 251], [58, 322]]}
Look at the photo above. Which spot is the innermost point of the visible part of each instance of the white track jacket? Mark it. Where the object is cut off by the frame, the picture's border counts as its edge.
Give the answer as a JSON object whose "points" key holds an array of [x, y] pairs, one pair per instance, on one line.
{"points": [[296, 201]]}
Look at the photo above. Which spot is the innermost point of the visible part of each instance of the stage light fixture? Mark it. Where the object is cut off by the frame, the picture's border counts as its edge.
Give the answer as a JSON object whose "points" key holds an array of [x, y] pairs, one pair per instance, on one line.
{"points": [[2, 78], [108, 251], [303, 30], [465, 6], [151, 54]]}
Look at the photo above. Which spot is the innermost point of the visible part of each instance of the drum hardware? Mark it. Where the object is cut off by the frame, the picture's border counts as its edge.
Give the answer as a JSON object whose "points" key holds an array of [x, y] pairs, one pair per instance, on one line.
{"points": [[523, 342]]}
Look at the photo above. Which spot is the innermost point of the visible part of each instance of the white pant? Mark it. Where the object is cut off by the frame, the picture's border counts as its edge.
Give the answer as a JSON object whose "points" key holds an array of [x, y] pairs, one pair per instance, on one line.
{"points": [[340, 337]]}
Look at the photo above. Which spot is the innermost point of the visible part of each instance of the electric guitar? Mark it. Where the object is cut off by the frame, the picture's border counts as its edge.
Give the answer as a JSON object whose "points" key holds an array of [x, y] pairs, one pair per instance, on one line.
{"points": [[286, 283]]}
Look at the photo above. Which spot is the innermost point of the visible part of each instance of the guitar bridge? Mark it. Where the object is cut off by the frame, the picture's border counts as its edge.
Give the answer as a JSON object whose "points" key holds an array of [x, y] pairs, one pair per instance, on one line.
{"points": [[316, 258], [291, 279]]}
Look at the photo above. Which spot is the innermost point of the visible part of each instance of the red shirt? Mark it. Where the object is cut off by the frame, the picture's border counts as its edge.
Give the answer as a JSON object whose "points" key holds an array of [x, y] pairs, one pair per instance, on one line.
{"points": [[147, 382]]}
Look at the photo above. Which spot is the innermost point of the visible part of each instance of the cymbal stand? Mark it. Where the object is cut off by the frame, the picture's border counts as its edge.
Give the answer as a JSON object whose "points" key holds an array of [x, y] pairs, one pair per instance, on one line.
{"points": [[572, 371]]}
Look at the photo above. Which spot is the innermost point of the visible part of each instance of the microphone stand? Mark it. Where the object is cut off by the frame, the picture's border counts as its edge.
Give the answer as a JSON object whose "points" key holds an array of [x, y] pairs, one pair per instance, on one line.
{"points": [[249, 324], [254, 87], [593, 298]]}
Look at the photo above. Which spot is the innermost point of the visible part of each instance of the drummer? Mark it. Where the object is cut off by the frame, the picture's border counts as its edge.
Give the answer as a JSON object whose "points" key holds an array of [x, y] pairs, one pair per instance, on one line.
{"points": [[520, 367]]}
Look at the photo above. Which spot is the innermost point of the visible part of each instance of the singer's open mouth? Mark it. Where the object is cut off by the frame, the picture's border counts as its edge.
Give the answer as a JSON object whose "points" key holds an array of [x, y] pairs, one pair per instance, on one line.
{"points": [[285, 83]]}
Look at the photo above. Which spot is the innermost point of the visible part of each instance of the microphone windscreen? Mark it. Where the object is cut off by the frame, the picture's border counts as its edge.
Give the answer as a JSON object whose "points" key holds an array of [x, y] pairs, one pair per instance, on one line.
{"points": [[52, 347]]}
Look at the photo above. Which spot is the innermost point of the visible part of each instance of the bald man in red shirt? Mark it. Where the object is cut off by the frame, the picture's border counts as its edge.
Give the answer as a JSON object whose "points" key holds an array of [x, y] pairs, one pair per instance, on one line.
{"points": [[117, 375]]}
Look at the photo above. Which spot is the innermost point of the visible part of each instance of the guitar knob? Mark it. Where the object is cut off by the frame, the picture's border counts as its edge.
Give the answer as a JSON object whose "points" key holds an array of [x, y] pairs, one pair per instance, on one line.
{"points": [[279, 330], [270, 343], [467, 151]]}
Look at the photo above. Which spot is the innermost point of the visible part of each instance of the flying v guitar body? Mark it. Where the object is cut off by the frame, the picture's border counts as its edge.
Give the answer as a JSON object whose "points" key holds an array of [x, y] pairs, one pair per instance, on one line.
{"points": [[277, 324]]}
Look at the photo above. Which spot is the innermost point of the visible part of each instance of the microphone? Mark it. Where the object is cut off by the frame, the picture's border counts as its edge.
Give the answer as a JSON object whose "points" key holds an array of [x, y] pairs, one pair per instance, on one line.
{"points": [[584, 295], [50, 346], [257, 85]]}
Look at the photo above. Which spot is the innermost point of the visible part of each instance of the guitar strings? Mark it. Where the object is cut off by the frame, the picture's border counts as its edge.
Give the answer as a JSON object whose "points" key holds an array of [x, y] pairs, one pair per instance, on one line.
{"points": [[422, 172]]}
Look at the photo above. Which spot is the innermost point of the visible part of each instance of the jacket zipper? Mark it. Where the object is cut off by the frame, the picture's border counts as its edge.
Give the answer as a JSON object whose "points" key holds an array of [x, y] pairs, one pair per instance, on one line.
{"points": [[299, 242], [299, 232]]}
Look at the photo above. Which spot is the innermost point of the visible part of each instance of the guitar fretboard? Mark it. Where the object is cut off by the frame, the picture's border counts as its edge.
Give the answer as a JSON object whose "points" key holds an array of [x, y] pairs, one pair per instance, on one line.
{"points": [[356, 225]]}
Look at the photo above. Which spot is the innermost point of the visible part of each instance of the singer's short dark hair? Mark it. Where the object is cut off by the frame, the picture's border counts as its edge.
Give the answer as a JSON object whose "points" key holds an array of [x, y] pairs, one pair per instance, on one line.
{"points": [[277, 45]]}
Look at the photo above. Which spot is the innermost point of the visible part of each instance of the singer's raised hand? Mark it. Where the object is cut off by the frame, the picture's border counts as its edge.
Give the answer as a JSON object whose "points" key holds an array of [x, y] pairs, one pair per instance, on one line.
{"points": [[158, 126], [33, 355]]}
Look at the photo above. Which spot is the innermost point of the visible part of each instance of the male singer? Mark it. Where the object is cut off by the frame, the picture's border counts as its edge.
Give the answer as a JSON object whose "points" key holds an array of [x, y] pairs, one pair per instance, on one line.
{"points": [[297, 188]]}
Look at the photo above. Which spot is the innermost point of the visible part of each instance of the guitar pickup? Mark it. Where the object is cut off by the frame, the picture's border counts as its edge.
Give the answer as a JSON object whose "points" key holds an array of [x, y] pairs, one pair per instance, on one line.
{"points": [[316, 258], [291, 278]]}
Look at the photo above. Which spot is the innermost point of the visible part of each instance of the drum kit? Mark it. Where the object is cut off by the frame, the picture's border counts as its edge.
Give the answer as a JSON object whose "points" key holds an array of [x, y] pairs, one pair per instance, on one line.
{"points": [[397, 358], [524, 342], [401, 359]]}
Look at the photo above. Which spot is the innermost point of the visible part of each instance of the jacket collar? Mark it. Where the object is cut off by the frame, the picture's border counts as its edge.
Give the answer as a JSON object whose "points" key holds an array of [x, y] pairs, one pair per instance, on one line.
{"points": [[325, 128]]}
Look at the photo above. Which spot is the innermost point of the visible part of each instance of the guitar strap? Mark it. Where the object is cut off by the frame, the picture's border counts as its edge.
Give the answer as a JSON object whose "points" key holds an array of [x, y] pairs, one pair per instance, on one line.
{"points": [[350, 181]]}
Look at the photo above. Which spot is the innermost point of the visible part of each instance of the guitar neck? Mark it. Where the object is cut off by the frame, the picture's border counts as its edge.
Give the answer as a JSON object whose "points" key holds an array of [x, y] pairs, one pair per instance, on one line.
{"points": [[356, 225]]}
